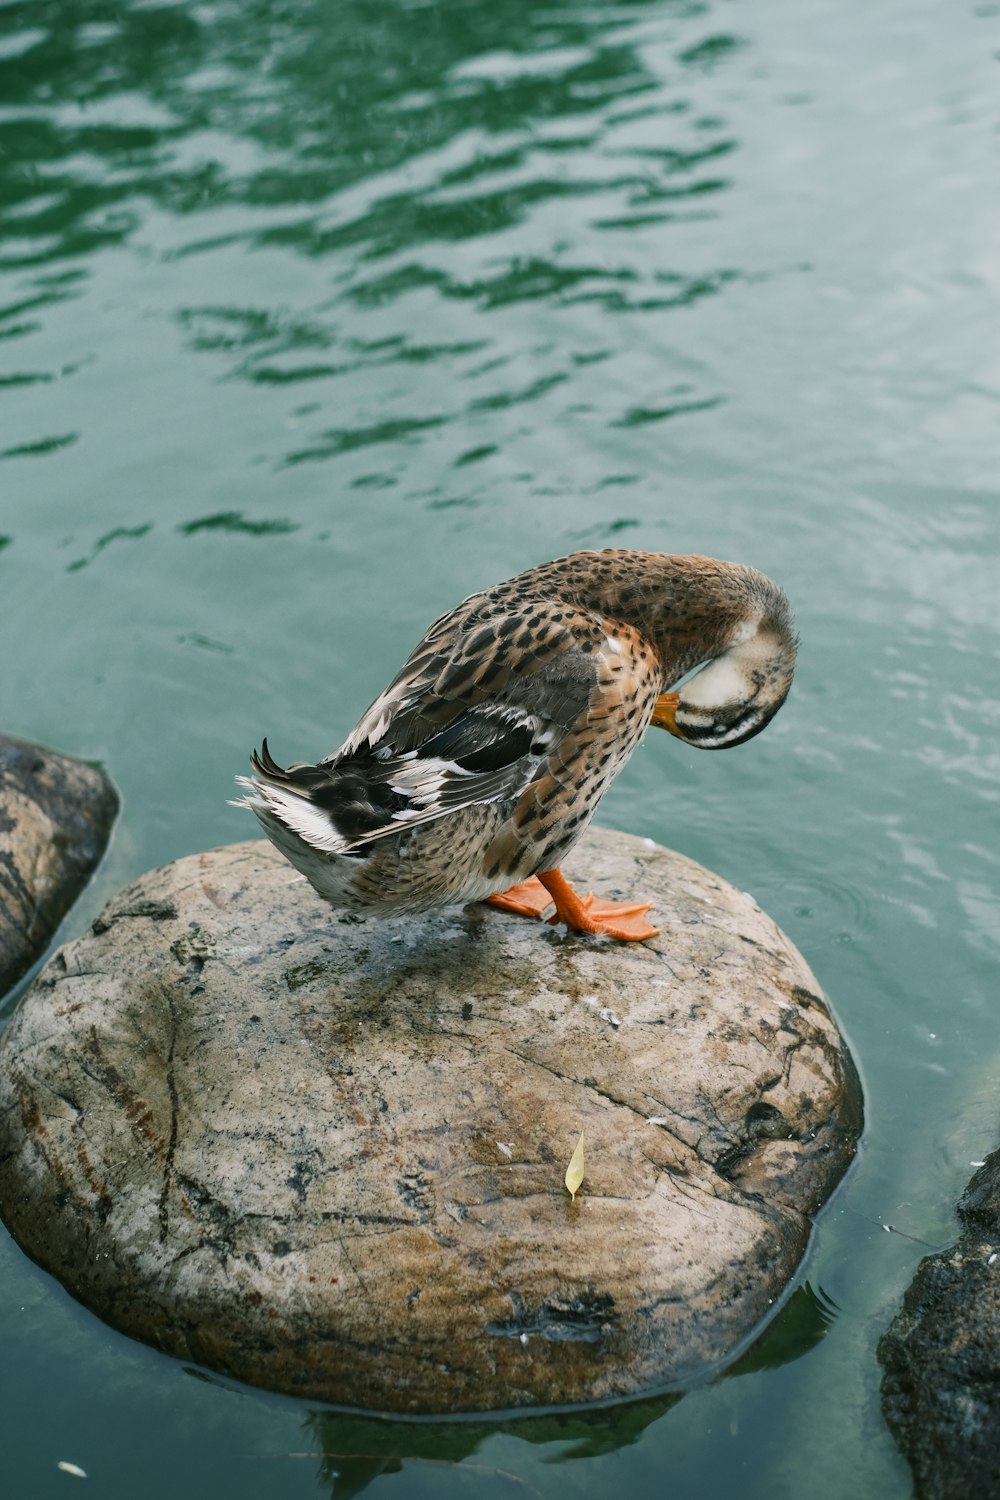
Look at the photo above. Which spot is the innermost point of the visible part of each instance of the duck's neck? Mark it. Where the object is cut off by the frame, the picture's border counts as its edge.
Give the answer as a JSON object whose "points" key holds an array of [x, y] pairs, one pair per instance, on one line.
{"points": [[691, 609]]}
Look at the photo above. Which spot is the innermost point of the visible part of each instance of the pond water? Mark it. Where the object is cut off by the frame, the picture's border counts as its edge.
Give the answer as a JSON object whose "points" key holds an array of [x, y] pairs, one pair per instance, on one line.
{"points": [[315, 318]]}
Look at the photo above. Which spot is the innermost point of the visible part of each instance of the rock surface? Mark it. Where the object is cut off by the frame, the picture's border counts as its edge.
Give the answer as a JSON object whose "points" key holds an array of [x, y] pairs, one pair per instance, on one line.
{"points": [[326, 1154], [55, 817], [941, 1354]]}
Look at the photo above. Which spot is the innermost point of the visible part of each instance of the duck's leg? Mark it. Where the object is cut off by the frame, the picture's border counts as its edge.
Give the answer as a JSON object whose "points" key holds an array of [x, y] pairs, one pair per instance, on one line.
{"points": [[617, 919]]}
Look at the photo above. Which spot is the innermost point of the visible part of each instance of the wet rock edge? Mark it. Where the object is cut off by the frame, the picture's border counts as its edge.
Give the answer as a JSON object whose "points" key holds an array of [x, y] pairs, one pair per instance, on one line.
{"points": [[941, 1356]]}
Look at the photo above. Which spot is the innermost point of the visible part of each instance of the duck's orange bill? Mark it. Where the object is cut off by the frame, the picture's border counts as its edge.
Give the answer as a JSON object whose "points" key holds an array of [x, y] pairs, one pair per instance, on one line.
{"points": [[665, 713]]}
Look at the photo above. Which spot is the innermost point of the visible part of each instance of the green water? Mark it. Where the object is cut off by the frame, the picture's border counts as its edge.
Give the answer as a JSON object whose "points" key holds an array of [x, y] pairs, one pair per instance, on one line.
{"points": [[317, 317]]}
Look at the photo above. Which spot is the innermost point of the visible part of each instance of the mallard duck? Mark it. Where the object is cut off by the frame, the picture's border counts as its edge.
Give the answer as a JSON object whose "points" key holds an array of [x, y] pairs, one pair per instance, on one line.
{"points": [[474, 773]]}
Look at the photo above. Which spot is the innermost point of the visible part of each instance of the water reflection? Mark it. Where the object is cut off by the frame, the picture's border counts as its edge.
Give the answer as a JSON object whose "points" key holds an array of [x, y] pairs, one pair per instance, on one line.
{"points": [[806, 1319], [154, 101], [234, 522], [353, 1450], [120, 533], [41, 447], [415, 150]]}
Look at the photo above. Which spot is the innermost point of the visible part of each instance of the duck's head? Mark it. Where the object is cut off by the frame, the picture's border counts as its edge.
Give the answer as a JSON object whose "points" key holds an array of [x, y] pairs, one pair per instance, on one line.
{"points": [[739, 691]]}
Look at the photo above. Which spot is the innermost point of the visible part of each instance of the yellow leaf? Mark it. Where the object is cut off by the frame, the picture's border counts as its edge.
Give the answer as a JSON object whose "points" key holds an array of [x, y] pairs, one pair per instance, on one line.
{"points": [[574, 1172]]}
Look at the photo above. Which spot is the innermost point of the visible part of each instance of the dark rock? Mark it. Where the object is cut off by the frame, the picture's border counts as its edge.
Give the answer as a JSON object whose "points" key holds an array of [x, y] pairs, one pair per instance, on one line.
{"points": [[55, 817], [941, 1356], [327, 1156]]}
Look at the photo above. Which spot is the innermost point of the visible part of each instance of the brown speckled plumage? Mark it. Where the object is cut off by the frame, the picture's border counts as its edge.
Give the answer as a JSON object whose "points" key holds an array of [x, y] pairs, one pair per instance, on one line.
{"points": [[484, 759]]}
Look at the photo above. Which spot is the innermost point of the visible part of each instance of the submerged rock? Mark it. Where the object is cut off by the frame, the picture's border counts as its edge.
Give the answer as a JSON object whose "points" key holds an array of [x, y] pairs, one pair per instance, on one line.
{"points": [[325, 1154], [941, 1356], [55, 817]]}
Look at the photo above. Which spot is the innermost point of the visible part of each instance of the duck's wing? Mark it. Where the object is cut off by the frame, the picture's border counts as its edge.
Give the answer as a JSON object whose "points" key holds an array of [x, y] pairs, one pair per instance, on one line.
{"points": [[471, 718], [530, 658]]}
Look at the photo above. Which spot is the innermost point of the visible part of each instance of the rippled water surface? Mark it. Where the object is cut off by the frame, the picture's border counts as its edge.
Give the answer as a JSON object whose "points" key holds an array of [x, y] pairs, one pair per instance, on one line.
{"points": [[314, 318]]}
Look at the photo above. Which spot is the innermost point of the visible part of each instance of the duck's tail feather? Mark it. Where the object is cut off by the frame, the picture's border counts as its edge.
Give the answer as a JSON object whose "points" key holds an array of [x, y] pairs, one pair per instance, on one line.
{"points": [[305, 780], [289, 800], [334, 808]]}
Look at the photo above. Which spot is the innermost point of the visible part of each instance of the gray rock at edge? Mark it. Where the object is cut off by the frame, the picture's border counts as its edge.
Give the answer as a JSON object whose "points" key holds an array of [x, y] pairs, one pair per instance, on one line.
{"points": [[941, 1357], [326, 1154], [56, 815]]}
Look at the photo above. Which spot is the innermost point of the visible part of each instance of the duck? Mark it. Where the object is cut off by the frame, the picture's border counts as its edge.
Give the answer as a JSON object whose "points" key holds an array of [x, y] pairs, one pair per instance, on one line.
{"points": [[474, 773]]}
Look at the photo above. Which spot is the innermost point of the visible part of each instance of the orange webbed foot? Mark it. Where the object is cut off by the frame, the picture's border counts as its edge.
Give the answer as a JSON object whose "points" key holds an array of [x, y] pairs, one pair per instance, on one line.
{"points": [[528, 898], [617, 919]]}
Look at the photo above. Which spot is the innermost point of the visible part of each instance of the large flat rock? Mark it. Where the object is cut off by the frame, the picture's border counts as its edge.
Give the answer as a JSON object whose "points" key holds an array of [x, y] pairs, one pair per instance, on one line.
{"points": [[326, 1154], [940, 1390], [55, 817]]}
